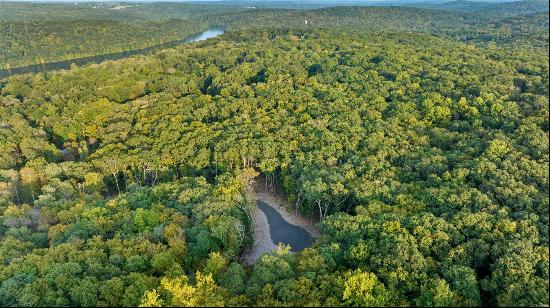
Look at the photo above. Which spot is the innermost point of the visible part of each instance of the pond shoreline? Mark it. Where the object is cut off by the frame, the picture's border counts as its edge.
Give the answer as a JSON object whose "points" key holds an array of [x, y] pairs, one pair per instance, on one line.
{"points": [[282, 231], [263, 242], [210, 32]]}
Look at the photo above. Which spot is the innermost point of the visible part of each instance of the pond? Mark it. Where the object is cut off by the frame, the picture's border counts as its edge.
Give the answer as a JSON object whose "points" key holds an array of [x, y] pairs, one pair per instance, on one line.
{"points": [[283, 232], [66, 64]]}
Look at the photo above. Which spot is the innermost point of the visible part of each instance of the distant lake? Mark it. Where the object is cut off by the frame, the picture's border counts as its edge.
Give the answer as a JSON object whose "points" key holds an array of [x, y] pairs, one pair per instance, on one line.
{"points": [[208, 33], [66, 64]]}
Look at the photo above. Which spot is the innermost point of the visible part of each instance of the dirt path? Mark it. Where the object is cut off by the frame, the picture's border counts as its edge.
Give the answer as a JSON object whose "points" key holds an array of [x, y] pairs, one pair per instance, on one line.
{"points": [[262, 237]]}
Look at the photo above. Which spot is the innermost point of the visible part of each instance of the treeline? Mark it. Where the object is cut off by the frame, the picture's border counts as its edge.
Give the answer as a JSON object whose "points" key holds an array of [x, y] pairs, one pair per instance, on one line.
{"points": [[59, 11], [510, 30], [425, 159], [26, 43], [35, 33], [509, 8]]}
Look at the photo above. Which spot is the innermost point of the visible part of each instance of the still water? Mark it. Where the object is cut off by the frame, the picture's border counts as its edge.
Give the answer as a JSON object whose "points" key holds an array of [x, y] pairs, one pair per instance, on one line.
{"points": [[283, 232]]}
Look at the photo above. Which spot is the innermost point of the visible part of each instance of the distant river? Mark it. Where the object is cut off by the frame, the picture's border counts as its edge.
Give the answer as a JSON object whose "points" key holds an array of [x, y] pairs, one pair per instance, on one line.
{"points": [[66, 64]]}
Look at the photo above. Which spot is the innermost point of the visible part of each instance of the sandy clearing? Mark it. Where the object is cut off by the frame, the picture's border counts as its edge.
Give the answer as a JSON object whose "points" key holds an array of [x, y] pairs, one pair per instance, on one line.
{"points": [[262, 238]]}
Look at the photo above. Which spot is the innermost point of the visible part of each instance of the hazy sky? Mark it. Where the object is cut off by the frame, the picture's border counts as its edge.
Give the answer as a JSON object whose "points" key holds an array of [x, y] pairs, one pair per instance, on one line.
{"points": [[343, 2], [298, 1]]}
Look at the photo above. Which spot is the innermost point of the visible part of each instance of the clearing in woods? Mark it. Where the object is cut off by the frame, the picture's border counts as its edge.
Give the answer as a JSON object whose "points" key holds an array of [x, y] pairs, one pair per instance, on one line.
{"points": [[273, 223]]}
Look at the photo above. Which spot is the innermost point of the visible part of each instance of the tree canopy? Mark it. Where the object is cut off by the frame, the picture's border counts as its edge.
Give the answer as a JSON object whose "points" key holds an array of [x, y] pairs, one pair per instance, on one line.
{"points": [[424, 159]]}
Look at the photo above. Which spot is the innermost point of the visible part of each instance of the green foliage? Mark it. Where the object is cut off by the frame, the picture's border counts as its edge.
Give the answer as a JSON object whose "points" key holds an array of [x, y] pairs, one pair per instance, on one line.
{"points": [[521, 23], [34, 33], [364, 290], [424, 159]]}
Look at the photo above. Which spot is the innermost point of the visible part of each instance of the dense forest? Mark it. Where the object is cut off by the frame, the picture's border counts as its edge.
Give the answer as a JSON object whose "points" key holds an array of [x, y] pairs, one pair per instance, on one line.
{"points": [[38, 33], [520, 30], [35, 33], [423, 156], [507, 8], [26, 43]]}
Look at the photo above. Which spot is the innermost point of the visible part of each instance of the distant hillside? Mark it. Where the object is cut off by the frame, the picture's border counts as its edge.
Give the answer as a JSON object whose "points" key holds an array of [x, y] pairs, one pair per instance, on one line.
{"points": [[516, 7], [132, 11], [503, 29], [37, 32], [32, 33]]}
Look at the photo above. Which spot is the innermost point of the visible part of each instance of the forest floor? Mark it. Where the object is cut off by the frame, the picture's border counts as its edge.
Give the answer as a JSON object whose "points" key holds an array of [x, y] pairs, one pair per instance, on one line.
{"points": [[263, 242]]}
